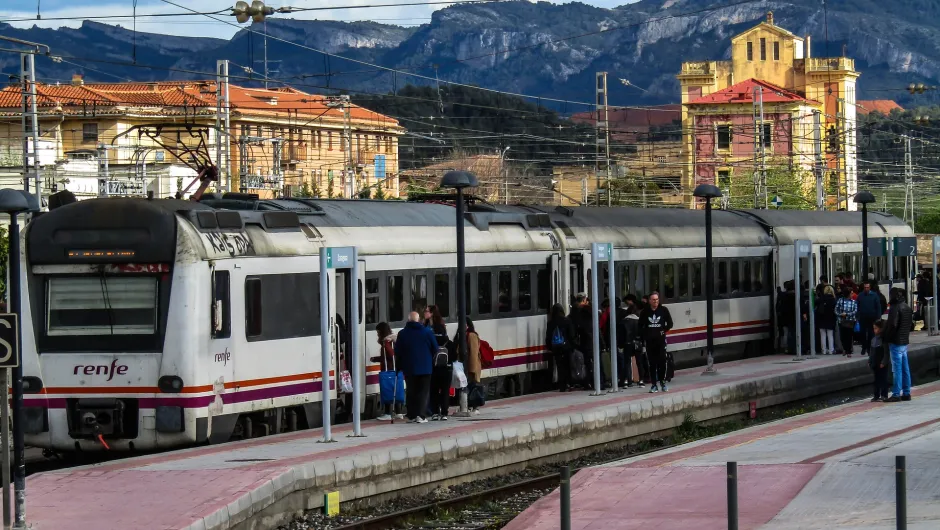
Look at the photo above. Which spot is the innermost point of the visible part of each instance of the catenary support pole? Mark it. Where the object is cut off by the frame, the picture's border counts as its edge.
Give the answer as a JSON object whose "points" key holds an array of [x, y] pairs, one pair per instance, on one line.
{"points": [[811, 294], [19, 456], [354, 339], [595, 320], [797, 280], [325, 333], [463, 351], [612, 319]]}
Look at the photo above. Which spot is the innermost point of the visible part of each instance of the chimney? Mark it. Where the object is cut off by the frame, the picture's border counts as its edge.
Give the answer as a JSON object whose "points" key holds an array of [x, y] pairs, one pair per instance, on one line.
{"points": [[77, 80], [809, 42], [770, 18]]}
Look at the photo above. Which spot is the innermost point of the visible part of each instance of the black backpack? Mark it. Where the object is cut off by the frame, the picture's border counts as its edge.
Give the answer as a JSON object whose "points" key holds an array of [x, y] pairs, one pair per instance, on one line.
{"points": [[578, 370]]}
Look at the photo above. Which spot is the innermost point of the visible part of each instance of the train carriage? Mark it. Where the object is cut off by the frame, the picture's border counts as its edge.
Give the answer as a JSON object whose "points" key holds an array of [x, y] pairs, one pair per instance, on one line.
{"points": [[153, 324]]}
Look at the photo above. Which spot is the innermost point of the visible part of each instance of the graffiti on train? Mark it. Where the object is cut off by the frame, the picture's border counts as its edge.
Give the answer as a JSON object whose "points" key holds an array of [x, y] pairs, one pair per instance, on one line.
{"points": [[236, 244]]}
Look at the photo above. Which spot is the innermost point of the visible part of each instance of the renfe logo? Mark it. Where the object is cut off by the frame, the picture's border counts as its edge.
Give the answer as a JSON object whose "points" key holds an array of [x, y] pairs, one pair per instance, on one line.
{"points": [[101, 369]]}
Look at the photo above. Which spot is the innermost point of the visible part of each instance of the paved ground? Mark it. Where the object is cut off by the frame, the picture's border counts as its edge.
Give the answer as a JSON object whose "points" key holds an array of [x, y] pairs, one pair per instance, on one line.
{"points": [[218, 486], [830, 469]]}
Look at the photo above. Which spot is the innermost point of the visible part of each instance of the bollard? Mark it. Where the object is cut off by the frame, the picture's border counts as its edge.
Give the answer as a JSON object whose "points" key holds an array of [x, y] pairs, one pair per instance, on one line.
{"points": [[900, 477], [732, 496], [565, 498]]}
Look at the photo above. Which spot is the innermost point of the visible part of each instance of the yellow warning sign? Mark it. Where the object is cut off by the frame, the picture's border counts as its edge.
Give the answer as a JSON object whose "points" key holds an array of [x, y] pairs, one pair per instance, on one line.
{"points": [[331, 503]]}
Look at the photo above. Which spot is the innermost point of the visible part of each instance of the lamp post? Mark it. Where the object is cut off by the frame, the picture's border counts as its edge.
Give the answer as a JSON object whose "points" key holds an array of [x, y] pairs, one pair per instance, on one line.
{"points": [[14, 202], [865, 198], [709, 192], [458, 180]]}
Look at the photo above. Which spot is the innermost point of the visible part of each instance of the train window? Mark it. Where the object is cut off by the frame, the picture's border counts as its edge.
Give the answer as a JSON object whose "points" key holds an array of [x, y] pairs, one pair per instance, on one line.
{"points": [[372, 300], [525, 290], [624, 272], [683, 291], [746, 284], [722, 279], [653, 278], [735, 277], [442, 293], [485, 292], [544, 293], [669, 281], [102, 305], [221, 308], [639, 281], [759, 284], [504, 286], [419, 292], [396, 298], [253, 307], [696, 278]]}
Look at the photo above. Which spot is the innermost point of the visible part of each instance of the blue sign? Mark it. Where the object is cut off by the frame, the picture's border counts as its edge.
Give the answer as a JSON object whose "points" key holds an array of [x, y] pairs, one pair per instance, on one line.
{"points": [[379, 166], [340, 257]]}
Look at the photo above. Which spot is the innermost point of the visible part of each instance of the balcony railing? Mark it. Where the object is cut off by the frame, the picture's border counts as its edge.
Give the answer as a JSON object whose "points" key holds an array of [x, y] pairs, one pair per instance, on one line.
{"points": [[698, 68], [830, 64]]}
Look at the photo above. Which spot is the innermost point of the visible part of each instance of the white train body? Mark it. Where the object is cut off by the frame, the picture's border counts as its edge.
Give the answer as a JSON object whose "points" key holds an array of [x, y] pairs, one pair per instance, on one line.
{"points": [[159, 324]]}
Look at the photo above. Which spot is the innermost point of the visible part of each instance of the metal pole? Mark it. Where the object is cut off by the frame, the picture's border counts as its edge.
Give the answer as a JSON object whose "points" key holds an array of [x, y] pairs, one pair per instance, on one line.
{"points": [[24, 79], [265, 28], [811, 293], [357, 378], [732, 496], [565, 492], [889, 257], [933, 282], [462, 350], [612, 319], [19, 459], [817, 148], [797, 326], [325, 332], [865, 241], [709, 293], [595, 321], [227, 145], [763, 155], [34, 122], [5, 446], [900, 481]]}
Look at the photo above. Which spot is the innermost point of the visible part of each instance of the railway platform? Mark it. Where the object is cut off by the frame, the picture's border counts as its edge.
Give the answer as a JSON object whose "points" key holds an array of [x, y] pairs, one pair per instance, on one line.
{"points": [[264, 482], [829, 469]]}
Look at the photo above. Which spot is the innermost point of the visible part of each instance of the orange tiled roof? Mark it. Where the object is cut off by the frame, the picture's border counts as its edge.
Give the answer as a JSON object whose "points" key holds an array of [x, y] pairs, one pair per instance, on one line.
{"points": [[277, 102], [884, 106], [743, 92]]}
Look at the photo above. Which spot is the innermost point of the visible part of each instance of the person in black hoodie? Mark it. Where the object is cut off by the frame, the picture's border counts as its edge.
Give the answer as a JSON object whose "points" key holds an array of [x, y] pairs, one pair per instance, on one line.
{"points": [[655, 322], [877, 357], [628, 335], [560, 338], [441, 373]]}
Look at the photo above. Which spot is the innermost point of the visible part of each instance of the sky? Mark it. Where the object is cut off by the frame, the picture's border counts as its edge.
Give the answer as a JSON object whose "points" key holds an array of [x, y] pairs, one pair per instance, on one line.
{"points": [[12, 11]]}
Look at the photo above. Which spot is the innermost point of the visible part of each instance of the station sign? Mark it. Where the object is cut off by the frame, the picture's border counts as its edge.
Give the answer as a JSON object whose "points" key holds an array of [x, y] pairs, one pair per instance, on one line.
{"points": [[905, 247], [877, 247], [9, 341], [340, 257]]}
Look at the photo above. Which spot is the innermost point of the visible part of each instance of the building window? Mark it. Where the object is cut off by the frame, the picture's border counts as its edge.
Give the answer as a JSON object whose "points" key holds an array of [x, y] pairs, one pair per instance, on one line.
{"points": [[767, 134], [724, 178], [776, 50], [763, 49], [329, 141], [89, 132], [724, 137], [661, 160], [750, 51]]}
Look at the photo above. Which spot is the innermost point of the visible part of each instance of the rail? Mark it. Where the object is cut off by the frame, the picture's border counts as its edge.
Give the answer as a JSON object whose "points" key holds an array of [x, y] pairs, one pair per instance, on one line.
{"points": [[830, 64]]}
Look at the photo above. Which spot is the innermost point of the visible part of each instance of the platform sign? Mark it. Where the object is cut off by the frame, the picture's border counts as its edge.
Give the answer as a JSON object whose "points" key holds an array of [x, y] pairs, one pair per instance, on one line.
{"points": [[331, 503], [905, 247], [877, 247], [9, 342], [340, 257]]}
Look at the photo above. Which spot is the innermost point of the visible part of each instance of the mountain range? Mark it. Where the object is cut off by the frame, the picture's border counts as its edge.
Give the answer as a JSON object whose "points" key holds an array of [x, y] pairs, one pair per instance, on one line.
{"points": [[543, 49]]}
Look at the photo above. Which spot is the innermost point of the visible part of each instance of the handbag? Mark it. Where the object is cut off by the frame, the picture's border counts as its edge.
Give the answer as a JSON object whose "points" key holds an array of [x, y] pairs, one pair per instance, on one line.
{"points": [[345, 382], [458, 377]]}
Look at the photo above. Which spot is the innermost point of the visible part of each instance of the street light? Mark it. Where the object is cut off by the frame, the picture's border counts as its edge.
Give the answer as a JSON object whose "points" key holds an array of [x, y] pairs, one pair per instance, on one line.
{"points": [[865, 198], [14, 202], [458, 180], [709, 192]]}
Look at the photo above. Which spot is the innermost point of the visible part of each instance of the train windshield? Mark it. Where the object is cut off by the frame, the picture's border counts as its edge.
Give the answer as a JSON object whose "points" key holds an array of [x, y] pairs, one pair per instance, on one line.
{"points": [[102, 305]]}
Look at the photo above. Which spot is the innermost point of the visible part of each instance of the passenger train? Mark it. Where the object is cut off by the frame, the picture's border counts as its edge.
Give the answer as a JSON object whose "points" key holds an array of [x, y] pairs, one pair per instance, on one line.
{"points": [[153, 324]]}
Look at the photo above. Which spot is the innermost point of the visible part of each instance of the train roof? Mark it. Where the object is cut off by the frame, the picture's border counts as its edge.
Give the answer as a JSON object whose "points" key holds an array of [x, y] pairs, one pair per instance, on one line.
{"points": [[827, 227]]}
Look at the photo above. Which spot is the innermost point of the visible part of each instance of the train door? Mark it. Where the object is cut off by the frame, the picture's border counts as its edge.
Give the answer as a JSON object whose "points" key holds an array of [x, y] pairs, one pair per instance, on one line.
{"points": [[576, 276], [344, 325], [556, 290], [221, 362]]}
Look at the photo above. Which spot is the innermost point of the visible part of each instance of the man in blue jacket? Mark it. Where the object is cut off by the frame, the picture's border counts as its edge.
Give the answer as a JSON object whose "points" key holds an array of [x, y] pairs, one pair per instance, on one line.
{"points": [[415, 348], [869, 310]]}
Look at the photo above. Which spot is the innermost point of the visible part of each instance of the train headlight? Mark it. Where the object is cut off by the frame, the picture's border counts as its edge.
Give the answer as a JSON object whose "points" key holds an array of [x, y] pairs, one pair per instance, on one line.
{"points": [[170, 384]]}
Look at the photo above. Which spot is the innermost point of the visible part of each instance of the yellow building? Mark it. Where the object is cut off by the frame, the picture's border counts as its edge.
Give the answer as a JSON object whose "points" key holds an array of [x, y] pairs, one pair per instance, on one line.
{"points": [[279, 140], [773, 67]]}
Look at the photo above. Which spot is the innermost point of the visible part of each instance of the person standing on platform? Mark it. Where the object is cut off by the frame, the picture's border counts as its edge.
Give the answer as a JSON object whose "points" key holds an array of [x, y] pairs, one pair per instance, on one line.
{"points": [[415, 349], [846, 315], [826, 320], [655, 322], [442, 372], [560, 338], [869, 310], [898, 334], [877, 357]]}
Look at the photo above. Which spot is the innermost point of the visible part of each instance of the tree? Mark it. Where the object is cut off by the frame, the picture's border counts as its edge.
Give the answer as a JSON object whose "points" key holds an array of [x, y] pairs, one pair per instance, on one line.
{"points": [[366, 193], [329, 189], [790, 183], [305, 191], [380, 193], [928, 222], [316, 192]]}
